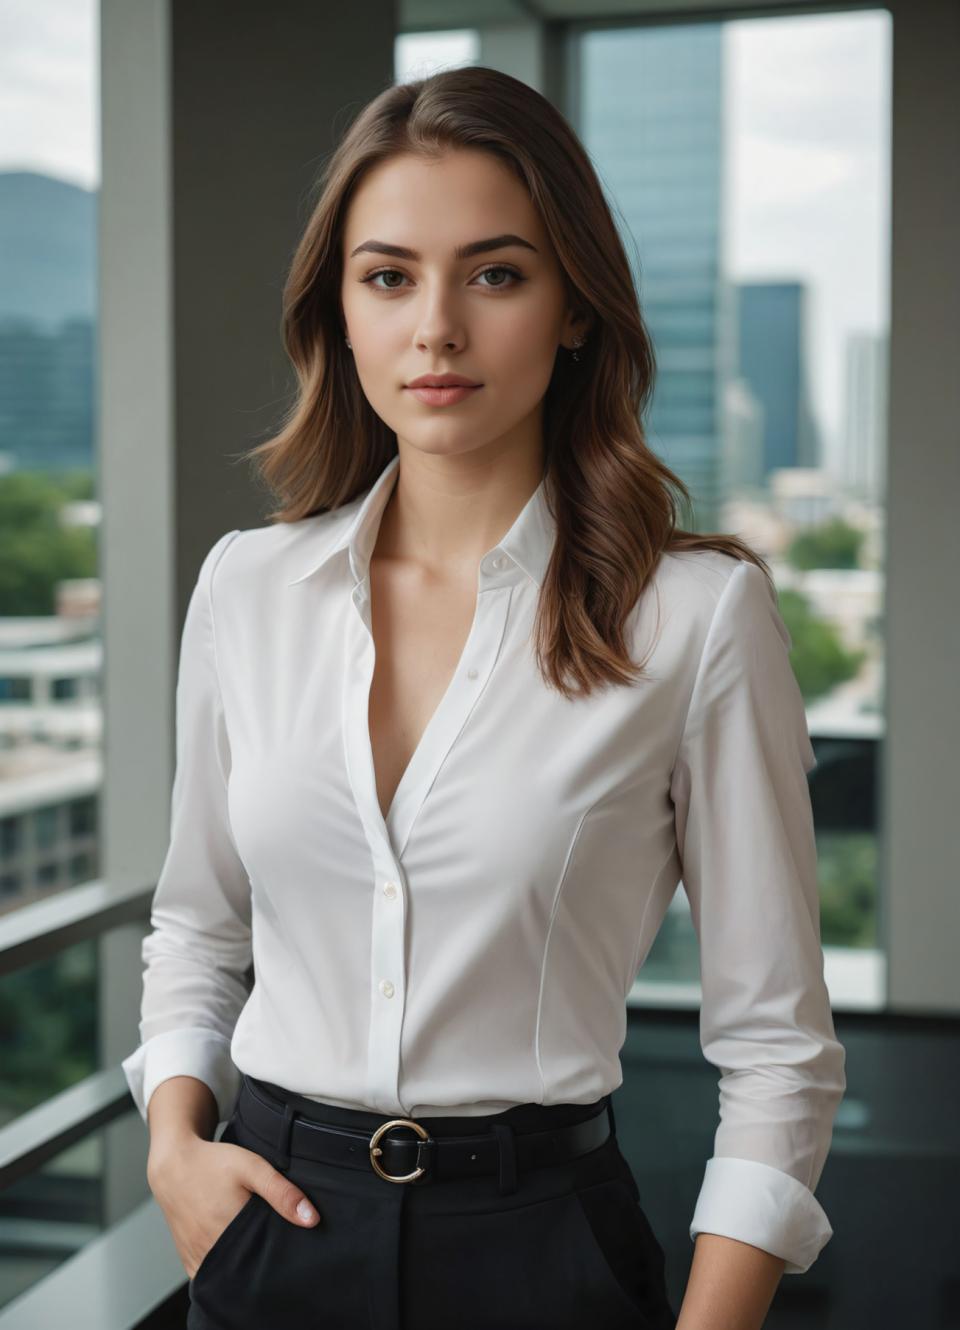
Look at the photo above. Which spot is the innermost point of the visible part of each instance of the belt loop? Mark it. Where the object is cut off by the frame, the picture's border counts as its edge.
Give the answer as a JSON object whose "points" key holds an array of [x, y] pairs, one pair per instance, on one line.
{"points": [[507, 1179], [613, 1120], [286, 1128]]}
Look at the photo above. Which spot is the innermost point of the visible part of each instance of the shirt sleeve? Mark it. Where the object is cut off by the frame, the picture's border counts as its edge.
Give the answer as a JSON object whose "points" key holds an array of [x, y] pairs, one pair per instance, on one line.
{"points": [[746, 840], [199, 949]]}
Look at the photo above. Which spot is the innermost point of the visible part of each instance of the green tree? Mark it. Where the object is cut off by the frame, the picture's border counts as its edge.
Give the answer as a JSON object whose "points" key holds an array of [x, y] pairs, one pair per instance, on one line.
{"points": [[848, 872], [37, 549], [48, 1028], [819, 659], [832, 544]]}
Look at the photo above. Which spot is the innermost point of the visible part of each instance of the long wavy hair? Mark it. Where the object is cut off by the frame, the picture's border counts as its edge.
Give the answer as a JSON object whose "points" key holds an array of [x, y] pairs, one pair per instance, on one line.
{"points": [[614, 501]]}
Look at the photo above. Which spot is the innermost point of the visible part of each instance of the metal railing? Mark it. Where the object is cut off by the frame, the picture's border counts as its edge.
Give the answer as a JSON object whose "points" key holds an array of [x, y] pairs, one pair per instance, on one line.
{"points": [[84, 1291], [45, 927]]}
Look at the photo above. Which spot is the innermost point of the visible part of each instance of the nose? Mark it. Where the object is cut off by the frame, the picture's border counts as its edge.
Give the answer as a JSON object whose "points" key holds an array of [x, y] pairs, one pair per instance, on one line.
{"points": [[439, 324]]}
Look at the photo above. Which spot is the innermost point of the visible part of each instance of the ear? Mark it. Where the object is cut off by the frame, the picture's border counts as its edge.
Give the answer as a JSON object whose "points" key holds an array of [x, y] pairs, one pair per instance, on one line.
{"points": [[577, 323]]}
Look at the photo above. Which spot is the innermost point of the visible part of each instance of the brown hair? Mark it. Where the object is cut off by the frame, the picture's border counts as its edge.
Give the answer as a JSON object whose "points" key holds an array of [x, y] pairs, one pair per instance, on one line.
{"points": [[609, 493]]}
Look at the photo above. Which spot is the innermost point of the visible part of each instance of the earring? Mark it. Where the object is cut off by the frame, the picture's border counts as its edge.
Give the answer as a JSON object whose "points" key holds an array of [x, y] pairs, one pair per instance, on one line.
{"points": [[579, 341], [348, 342]]}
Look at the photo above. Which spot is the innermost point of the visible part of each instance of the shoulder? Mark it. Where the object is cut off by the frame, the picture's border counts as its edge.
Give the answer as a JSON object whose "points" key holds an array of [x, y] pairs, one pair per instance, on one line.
{"points": [[700, 598], [696, 584], [268, 557], [731, 616]]}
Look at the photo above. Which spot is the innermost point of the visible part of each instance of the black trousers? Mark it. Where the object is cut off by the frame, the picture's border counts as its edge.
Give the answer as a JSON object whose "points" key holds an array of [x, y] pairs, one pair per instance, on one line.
{"points": [[570, 1247]]}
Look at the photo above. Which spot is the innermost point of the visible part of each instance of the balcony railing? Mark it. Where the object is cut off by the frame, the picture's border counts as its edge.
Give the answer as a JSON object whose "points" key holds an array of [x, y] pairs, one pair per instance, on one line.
{"points": [[84, 1290]]}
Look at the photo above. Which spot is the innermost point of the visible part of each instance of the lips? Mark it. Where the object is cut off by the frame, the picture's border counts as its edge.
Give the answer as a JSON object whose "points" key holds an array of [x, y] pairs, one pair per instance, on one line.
{"points": [[443, 381], [445, 394]]}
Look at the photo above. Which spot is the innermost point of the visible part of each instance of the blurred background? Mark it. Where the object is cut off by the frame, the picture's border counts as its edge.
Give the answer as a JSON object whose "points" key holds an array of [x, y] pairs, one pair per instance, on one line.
{"points": [[787, 181]]}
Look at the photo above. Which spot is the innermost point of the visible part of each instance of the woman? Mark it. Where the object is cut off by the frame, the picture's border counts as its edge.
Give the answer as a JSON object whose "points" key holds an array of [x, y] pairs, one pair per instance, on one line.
{"points": [[450, 729]]}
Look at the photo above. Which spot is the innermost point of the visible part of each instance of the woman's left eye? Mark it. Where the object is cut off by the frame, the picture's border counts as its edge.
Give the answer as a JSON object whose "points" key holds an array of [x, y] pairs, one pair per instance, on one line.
{"points": [[495, 286], [511, 272]]}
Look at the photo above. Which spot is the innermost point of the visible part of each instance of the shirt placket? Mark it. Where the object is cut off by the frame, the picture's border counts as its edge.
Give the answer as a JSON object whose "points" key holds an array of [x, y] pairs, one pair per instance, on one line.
{"points": [[387, 838]]}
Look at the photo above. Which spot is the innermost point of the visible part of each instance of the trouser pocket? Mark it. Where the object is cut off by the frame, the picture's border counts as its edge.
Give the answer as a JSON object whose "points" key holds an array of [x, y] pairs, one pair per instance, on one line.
{"points": [[267, 1271], [628, 1248], [581, 1257]]}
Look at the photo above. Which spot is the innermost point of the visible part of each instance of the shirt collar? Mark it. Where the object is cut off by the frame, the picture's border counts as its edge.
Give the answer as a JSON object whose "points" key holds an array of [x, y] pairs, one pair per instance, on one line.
{"points": [[528, 543]]}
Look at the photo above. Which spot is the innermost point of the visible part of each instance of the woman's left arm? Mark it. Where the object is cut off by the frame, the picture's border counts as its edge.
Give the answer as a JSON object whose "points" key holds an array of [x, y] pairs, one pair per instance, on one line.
{"points": [[731, 1285], [747, 845]]}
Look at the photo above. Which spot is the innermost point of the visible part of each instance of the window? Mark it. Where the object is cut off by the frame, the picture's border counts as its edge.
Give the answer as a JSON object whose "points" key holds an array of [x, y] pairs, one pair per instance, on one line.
{"points": [[416, 54], [748, 160], [49, 595]]}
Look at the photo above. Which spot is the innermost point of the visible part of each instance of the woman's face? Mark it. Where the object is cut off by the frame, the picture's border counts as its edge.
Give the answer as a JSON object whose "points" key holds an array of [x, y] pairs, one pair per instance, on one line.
{"points": [[495, 317]]}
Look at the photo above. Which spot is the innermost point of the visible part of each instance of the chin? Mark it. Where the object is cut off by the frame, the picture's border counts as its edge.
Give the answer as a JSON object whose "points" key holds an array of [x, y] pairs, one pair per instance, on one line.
{"points": [[449, 443]]}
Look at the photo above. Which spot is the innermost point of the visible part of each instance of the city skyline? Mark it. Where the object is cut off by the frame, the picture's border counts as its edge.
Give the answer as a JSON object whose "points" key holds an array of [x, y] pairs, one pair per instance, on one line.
{"points": [[806, 152]]}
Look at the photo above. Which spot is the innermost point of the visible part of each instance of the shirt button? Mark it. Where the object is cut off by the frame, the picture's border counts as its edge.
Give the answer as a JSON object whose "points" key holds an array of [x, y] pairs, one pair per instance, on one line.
{"points": [[386, 988], [500, 561], [390, 889], [471, 674]]}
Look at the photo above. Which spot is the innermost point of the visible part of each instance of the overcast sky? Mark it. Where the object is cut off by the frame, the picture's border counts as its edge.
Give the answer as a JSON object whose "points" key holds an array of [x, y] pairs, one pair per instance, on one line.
{"points": [[807, 179], [806, 149]]}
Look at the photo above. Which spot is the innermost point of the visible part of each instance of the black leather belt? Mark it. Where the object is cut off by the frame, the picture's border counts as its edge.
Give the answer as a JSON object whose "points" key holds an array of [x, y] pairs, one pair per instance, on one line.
{"points": [[415, 1155]]}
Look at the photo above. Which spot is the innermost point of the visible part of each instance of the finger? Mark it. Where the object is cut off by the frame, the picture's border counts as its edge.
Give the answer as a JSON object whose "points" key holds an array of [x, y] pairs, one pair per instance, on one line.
{"points": [[284, 1196]]}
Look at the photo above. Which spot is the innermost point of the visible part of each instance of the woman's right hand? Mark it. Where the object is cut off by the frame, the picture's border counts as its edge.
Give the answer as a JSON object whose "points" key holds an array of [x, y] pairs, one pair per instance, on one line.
{"points": [[202, 1185]]}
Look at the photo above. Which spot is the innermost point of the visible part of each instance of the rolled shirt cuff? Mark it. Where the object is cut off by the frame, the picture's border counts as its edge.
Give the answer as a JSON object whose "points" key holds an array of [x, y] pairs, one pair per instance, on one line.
{"points": [[204, 1054], [762, 1205]]}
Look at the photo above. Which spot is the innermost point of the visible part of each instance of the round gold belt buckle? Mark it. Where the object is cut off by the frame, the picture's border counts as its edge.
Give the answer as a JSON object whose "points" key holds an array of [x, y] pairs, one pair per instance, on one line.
{"points": [[375, 1150]]}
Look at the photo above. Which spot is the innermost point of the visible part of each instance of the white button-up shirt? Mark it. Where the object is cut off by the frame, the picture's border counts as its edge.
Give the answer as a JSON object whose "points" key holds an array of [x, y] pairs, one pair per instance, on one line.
{"points": [[475, 948]]}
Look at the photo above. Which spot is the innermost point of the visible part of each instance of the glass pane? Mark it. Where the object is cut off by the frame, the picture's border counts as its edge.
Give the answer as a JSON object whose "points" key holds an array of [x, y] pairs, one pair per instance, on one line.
{"points": [[748, 164], [50, 1215], [417, 54], [50, 640], [48, 1033], [48, 1028]]}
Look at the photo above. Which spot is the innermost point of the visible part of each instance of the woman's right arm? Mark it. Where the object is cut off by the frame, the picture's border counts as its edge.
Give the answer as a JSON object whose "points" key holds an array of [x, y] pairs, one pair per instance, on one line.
{"points": [[180, 1107], [182, 1077], [198, 953]]}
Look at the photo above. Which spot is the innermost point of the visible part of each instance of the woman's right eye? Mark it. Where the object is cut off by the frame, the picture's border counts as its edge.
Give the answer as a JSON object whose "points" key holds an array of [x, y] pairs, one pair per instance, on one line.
{"points": [[383, 272]]}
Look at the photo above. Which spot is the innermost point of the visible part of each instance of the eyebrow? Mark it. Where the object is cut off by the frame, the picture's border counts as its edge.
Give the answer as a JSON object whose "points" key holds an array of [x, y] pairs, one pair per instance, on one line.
{"points": [[461, 251]]}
